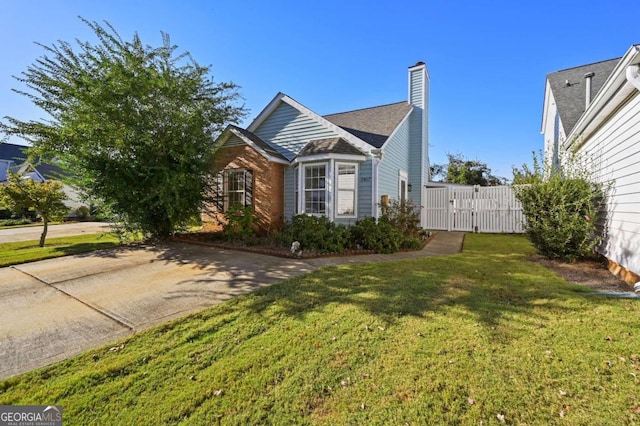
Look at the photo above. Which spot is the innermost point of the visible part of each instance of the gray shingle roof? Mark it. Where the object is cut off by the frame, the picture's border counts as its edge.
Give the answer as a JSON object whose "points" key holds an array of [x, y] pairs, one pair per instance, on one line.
{"points": [[570, 99], [329, 146], [259, 142], [372, 125], [18, 154]]}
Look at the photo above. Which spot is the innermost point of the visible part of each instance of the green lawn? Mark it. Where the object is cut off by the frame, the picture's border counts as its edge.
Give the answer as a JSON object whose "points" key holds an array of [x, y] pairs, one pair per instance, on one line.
{"points": [[464, 339], [29, 251]]}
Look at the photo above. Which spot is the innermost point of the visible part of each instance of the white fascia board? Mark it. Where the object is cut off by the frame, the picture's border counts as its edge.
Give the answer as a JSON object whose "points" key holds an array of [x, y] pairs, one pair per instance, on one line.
{"points": [[259, 150], [353, 140], [24, 167], [548, 98], [404, 119], [614, 90], [266, 112], [325, 157]]}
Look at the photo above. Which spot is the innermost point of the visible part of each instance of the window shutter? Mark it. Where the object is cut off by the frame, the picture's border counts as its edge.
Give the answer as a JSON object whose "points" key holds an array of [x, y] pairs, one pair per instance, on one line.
{"points": [[218, 189], [248, 188]]}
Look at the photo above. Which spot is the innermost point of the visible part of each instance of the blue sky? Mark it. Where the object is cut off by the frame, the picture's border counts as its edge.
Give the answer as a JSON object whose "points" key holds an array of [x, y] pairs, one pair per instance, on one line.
{"points": [[487, 59]]}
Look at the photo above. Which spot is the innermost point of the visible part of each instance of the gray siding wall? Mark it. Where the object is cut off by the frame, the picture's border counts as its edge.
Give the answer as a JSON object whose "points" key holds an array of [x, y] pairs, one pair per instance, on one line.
{"points": [[416, 156], [290, 131], [614, 152], [364, 188], [395, 158], [416, 91], [289, 194]]}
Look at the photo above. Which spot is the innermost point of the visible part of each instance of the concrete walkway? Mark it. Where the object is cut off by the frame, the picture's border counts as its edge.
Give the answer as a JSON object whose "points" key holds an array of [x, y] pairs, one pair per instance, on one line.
{"points": [[32, 233], [54, 309]]}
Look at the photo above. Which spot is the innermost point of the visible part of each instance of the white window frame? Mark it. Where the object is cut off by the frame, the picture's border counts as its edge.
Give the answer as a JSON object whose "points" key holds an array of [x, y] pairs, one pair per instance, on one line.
{"points": [[226, 191], [338, 189], [304, 190]]}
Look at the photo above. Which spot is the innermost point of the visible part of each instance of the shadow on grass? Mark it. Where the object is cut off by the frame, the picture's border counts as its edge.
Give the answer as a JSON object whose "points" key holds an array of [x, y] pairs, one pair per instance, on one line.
{"points": [[489, 289]]}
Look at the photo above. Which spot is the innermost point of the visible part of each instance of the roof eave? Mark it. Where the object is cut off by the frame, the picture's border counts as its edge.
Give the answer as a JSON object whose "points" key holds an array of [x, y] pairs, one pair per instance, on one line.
{"points": [[615, 86], [259, 150], [327, 156]]}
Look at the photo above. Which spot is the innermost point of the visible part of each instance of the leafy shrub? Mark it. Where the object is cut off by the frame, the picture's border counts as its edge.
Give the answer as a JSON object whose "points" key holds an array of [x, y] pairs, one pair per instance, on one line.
{"points": [[411, 243], [314, 233], [403, 216], [5, 214], [83, 213], [562, 207], [240, 223], [15, 222], [380, 236]]}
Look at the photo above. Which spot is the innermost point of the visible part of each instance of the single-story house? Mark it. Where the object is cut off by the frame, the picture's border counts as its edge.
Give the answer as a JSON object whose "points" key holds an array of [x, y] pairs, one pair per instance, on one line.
{"points": [[594, 110], [291, 160], [13, 158]]}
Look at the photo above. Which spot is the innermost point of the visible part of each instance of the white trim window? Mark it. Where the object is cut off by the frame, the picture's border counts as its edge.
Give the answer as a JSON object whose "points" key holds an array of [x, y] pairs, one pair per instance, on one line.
{"points": [[346, 186], [315, 189], [233, 187]]}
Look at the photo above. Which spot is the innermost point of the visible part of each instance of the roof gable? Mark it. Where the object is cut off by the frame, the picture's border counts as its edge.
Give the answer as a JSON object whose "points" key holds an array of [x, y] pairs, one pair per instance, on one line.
{"points": [[235, 136], [323, 128], [568, 88], [18, 154], [373, 125]]}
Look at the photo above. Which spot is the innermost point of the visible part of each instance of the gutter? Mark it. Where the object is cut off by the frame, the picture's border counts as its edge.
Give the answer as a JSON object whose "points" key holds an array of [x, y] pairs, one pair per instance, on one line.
{"points": [[614, 91], [633, 75]]}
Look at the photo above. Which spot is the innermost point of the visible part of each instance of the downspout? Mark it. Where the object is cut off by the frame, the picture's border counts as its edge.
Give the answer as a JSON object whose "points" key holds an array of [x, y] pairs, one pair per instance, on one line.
{"points": [[377, 157], [633, 75]]}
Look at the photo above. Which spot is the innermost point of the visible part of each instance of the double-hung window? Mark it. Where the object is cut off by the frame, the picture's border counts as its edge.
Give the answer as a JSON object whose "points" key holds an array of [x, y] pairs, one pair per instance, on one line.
{"points": [[315, 189], [234, 188], [346, 189]]}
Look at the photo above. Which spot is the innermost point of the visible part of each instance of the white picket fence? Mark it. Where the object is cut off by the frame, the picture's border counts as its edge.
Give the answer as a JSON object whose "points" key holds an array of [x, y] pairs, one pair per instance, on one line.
{"points": [[472, 209]]}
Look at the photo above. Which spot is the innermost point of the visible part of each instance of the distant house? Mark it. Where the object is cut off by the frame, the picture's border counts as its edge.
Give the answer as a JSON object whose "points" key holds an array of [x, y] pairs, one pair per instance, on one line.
{"points": [[13, 158], [594, 110], [290, 160]]}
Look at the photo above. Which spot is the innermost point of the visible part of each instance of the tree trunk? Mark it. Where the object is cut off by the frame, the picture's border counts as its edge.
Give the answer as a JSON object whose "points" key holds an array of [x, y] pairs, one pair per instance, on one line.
{"points": [[45, 221]]}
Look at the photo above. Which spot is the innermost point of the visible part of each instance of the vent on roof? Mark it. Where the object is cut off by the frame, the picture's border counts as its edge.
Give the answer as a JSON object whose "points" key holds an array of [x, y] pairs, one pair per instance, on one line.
{"points": [[566, 83], [587, 91]]}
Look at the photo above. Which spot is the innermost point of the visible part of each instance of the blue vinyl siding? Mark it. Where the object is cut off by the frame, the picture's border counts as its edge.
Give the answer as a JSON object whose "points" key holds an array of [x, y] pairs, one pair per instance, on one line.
{"points": [[416, 156], [396, 158], [365, 189], [289, 194], [289, 130], [416, 94]]}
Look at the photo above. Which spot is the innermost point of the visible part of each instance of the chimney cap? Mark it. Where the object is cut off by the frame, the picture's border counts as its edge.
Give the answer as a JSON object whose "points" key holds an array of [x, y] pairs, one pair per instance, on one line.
{"points": [[417, 64], [589, 74]]}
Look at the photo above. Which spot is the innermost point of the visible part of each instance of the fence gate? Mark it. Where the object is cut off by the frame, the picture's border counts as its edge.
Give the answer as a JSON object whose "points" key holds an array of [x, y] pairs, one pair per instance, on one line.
{"points": [[472, 209]]}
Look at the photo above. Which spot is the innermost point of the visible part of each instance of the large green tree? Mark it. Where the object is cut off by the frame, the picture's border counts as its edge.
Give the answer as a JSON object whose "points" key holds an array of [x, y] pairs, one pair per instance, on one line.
{"points": [[465, 172], [46, 198], [133, 123]]}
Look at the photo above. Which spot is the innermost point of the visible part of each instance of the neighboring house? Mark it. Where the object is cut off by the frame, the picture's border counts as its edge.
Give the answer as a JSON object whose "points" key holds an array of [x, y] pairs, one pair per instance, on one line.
{"points": [[594, 111], [290, 160], [13, 158]]}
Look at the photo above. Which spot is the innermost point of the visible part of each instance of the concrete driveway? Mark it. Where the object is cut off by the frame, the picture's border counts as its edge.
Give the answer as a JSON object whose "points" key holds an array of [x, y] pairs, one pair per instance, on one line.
{"points": [[29, 233], [53, 309]]}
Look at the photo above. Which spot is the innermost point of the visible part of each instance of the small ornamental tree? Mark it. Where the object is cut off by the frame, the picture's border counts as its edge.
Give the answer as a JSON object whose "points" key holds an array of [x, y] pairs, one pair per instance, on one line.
{"points": [[562, 205], [46, 198], [134, 124]]}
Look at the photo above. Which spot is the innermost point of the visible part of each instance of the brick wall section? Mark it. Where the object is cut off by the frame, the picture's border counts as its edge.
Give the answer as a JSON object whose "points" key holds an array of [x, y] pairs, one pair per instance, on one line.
{"points": [[268, 182]]}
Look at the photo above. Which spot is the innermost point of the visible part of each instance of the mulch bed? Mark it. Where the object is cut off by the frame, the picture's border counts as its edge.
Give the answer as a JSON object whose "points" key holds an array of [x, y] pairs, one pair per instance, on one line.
{"points": [[204, 239], [590, 273]]}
